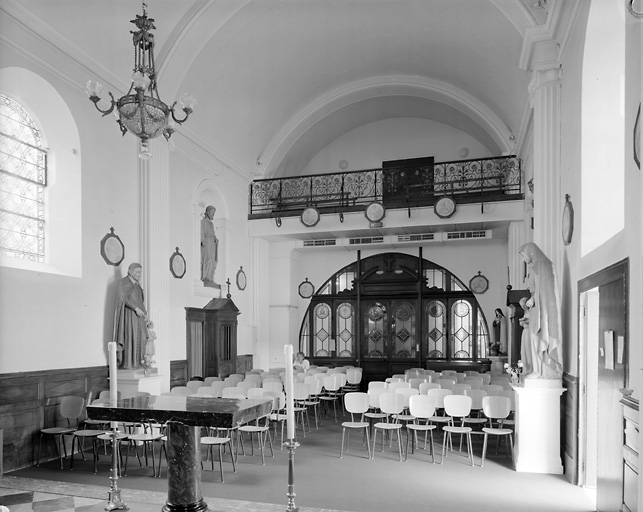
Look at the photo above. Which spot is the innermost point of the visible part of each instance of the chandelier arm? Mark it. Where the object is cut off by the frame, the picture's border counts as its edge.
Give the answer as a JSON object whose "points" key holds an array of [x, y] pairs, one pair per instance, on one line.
{"points": [[187, 111], [96, 99]]}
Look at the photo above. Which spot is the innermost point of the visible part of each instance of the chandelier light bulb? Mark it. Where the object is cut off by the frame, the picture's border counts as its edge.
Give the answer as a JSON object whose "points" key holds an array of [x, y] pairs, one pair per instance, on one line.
{"points": [[93, 89], [140, 81], [145, 153]]}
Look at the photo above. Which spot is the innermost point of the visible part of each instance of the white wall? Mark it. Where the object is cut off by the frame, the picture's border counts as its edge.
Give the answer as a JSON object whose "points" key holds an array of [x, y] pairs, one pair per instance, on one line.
{"points": [[392, 139]]}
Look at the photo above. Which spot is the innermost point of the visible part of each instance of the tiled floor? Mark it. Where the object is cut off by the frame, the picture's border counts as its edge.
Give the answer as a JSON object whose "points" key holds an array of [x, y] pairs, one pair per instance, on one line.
{"points": [[27, 495]]}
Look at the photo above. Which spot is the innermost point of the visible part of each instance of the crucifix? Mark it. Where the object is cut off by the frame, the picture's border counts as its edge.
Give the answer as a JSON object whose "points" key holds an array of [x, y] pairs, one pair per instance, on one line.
{"points": [[228, 283]]}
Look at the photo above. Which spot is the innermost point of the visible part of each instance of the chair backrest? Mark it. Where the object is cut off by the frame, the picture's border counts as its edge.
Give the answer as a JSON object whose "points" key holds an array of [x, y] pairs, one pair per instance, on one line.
{"points": [[231, 391], [446, 373], [459, 389], [279, 395], [181, 390], [316, 385], [500, 379], [425, 386], [253, 377], [438, 395], [244, 386], [205, 391], [340, 378], [194, 385], [209, 380], [446, 383], [300, 391], [377, 384], [217, 386], [255, 392], [393, 379], [407, 393], [422, 406], [105, 394], [471, 373], [416, 381], [374, 396], [272, 385], [486, 378], [457, 406], [354, 375], [492, 389], [459, 378], [434, 377], [391, 403], [356, 403], [397, 385], [331, 383], [476, 398], [71, 407], [399, 376], [496, 407]]}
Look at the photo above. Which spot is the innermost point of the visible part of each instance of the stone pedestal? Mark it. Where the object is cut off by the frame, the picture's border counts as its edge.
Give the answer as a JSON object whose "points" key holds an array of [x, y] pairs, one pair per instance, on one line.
{"points": [[131, 381], [537, 447]]}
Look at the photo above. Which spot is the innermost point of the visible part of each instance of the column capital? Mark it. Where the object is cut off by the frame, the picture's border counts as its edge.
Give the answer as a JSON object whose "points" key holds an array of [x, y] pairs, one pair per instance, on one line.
{"points": [[544, 78]]}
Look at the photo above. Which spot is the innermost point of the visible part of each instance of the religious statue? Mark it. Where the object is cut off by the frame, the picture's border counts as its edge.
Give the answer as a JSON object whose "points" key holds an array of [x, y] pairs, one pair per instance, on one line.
{"points": [[209, 247], [148, 361], [543, 308], [130, 320], [499, 333]]}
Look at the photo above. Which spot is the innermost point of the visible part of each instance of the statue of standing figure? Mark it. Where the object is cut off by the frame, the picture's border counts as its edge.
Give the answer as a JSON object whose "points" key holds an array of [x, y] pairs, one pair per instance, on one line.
{"points": [[209, 247], [542, 310], [130, 320]]}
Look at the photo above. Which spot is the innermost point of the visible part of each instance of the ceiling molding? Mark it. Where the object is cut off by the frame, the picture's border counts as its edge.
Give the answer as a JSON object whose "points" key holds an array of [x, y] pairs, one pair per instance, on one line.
{"points": [[378, 87]]}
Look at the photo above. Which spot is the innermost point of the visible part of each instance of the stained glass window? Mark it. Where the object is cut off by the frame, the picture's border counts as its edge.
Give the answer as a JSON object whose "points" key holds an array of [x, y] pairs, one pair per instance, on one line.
{"points": [[23, 178]]}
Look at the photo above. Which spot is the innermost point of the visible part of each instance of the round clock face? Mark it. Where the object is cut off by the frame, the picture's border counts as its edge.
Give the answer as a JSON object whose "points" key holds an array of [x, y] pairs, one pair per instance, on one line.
{"points": [[445, 207], [310, 217], [479, 284], [375, 212], [306, 289], [568, 222]]}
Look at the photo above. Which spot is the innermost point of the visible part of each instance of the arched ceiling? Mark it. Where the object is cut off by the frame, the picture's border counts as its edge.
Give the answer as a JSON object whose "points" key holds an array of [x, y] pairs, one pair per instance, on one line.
{"points": [[278, 80]]}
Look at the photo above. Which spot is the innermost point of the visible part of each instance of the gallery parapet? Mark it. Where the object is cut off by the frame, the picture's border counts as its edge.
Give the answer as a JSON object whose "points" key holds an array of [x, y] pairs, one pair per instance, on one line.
{"points": [[467, 181]]}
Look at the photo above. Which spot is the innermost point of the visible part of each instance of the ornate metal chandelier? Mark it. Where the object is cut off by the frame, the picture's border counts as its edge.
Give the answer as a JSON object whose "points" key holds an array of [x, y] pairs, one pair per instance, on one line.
{"points": [[141, 110]]}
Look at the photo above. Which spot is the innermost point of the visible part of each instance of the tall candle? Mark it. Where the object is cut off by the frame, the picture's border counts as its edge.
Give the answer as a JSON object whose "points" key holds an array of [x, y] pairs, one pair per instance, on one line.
{"points": [[113, 385], [290, 401]]}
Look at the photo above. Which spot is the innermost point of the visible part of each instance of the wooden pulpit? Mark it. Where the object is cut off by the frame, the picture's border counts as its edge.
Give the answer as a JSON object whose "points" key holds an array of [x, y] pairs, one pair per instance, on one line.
{"points": [[212, 339]]}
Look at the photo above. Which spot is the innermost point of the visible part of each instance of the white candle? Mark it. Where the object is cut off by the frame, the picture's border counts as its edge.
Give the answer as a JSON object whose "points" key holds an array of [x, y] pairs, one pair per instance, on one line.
{"points": [[113, 385], [290, 402]]}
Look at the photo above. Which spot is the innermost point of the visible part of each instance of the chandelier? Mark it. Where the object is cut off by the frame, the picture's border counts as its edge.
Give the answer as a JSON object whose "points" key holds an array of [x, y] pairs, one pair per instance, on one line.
{"points": [[141, 110]]}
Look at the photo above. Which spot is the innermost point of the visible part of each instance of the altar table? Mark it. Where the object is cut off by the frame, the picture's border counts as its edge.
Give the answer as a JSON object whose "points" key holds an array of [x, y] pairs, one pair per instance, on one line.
{"points": [[184, 417]]}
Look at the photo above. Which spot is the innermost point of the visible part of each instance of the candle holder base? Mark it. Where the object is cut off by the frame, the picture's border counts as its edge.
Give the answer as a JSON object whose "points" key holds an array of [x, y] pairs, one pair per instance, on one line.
{"points": [[291, 444], [114, 501]]}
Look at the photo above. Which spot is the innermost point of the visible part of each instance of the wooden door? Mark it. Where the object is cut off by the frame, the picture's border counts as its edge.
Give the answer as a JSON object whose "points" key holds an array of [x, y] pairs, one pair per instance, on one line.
{"points": [[611, 378]]}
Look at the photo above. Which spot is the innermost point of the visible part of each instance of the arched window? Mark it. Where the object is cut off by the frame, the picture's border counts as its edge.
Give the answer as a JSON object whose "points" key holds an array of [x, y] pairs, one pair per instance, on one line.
{"points": [[392, 310], [23, 178]]}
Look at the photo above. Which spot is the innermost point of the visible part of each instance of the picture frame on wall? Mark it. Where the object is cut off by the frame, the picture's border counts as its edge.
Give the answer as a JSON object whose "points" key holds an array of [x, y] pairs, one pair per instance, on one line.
{"points": [[177, 264], [112, 249], [637, 138]]}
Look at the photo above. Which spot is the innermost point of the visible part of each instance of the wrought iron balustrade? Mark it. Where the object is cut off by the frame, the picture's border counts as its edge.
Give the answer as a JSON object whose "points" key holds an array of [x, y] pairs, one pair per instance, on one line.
{"points": [[468, 181]]}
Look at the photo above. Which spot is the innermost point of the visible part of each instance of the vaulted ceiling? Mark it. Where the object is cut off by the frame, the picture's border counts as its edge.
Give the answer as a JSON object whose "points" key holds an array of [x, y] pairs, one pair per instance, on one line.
{"points": [[278, 80]]}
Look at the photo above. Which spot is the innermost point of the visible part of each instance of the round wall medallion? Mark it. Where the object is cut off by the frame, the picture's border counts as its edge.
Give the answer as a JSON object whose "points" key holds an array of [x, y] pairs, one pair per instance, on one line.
{"points": [[444, 207], [112, 249], [242, 281], [568, 221], [177, 264], [306, 289], [310, 217], [375, 212], [479, 283]]}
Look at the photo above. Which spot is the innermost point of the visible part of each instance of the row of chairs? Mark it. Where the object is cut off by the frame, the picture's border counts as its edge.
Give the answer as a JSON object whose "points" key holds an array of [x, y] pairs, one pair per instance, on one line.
{"points": [[458, 389], [421, 416]]}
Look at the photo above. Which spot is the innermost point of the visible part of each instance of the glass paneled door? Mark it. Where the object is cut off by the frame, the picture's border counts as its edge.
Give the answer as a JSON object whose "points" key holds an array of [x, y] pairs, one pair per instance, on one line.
{"points": [[389, 329]]}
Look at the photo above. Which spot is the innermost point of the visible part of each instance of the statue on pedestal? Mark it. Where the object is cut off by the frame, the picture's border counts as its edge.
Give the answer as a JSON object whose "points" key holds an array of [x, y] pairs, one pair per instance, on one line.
{"points": [[130, 320], [541, 349], [209, 247]]}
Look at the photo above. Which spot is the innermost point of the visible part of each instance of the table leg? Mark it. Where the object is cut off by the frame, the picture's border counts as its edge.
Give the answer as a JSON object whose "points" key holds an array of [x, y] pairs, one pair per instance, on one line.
{"points": [[184, 469]]}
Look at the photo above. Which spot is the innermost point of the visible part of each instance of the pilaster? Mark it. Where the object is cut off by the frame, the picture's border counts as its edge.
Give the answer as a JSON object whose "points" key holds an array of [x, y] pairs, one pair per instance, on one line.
{"points": [[154, 249], [545, 94]]}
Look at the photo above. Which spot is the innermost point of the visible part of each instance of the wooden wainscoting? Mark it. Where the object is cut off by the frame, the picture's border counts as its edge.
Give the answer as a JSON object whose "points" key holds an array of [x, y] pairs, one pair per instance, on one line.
{"points": [[29, 402]]}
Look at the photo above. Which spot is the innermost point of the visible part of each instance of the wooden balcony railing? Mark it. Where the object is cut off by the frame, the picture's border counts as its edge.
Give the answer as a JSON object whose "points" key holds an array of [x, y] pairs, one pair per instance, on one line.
{"points": [[467, 181]]}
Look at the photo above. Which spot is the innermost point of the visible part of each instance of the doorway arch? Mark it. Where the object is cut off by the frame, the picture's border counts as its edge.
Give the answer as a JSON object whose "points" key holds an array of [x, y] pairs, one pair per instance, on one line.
{"points": [[394, 311]]}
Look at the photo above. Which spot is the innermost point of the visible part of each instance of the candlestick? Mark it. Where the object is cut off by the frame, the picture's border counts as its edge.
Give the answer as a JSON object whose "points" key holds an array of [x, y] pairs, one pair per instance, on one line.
{"points": [[290, 402], [113, 384]]}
